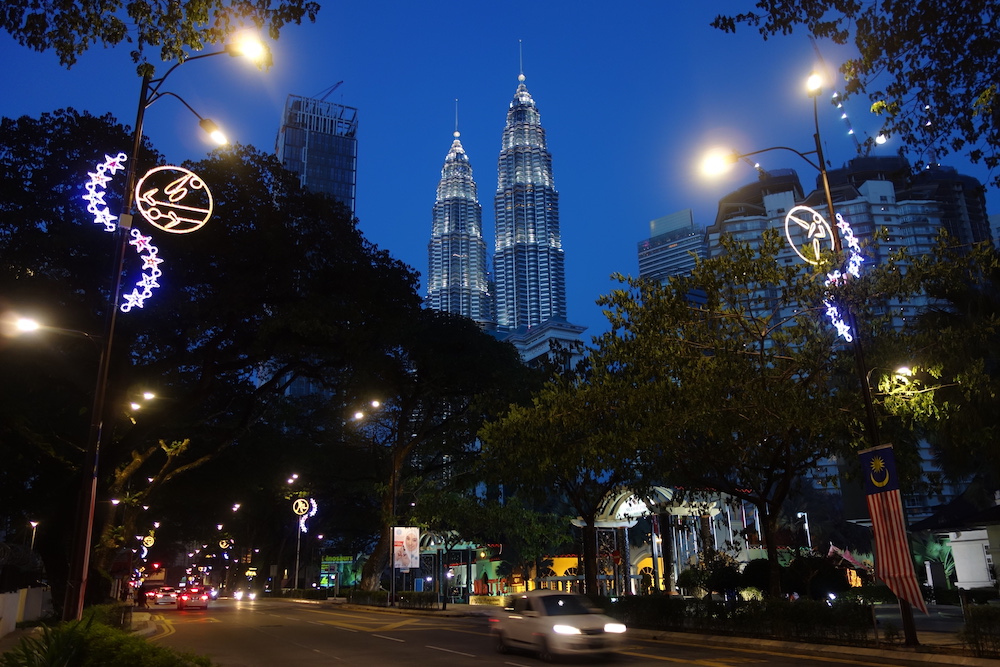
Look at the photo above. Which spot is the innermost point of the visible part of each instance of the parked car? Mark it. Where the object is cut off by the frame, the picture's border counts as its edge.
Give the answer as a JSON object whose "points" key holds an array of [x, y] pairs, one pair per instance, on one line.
{"points": [[193, 596], [165, 595], [555, 623]]}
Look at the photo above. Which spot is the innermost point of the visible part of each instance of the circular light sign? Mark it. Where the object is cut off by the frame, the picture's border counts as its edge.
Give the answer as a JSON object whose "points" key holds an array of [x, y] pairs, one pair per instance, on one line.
{"points": [[148, 541], [300, 506], [174, 199], [808, 233]]}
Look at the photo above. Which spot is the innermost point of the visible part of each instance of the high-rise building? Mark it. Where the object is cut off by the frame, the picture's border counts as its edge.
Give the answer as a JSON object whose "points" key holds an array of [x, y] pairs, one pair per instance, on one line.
{"points": [[528, 263], [457, 278], [872, 194], [528, 260], [318, 141], [673, 245]]}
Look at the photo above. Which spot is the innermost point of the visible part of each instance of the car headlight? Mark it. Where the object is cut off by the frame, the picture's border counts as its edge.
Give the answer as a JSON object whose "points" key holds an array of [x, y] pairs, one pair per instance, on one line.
{"points": [[614, 627], [253, 596], [565, 630], [238, 595]]}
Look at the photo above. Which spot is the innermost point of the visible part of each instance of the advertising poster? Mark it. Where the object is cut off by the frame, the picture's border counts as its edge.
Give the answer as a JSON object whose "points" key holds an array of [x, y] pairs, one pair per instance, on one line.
{"points": [[405, 547]]}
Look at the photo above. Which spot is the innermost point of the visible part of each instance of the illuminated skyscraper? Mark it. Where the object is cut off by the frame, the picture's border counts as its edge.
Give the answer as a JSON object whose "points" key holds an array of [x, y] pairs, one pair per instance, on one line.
{"points": [[457, 280], [318, 141], [528, 259]]}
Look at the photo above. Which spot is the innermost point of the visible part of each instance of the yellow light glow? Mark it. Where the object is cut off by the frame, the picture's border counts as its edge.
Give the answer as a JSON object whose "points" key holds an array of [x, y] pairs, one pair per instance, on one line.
{"points": [[248, 46], [717, 163], [24, 324], [814, 83]]}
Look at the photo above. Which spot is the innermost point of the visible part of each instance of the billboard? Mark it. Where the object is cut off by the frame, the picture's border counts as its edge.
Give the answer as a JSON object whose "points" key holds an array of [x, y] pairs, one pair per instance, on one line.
{"points": [[405, 547]]}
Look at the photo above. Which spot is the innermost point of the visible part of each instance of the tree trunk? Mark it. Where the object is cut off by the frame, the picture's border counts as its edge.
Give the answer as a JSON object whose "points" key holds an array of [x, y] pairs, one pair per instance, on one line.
{"points": [[371, 573], [770, 537]]}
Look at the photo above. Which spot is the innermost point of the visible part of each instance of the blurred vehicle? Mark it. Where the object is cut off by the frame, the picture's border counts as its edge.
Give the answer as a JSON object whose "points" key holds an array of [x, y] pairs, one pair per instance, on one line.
{"points": [[193, 596], [553, 623], [213, 592], [165, 595]]}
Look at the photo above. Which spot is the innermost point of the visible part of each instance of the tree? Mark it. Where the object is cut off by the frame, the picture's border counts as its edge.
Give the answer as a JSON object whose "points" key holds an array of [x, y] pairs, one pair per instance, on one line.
{"points": [[927, 68], [732, 381], [573, 441], [71, 28], [220, 342], [441, 382], [949, 391]]}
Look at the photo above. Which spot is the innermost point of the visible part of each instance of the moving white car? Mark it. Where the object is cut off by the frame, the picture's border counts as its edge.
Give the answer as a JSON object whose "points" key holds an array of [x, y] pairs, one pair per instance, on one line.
{"points": [[555, 623]]}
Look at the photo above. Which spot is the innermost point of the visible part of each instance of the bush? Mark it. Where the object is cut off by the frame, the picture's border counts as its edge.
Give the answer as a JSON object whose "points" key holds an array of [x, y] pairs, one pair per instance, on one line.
{"points": [[982, 631], [418, 600], [93, 644], [371, 598]]}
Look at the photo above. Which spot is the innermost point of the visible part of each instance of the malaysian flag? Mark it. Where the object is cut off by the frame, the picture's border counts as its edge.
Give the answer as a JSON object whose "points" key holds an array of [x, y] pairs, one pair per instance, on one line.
{"points": [[893, 562]]}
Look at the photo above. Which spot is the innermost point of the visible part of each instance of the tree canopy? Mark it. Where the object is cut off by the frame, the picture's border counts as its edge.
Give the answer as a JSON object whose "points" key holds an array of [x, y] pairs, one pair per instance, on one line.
{"points": [[70, 28], [927, 67], [733, 378]]}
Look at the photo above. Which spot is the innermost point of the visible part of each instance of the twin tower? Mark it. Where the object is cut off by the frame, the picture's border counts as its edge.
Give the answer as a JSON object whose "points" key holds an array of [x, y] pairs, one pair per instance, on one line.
{"points": [[525, 301]]}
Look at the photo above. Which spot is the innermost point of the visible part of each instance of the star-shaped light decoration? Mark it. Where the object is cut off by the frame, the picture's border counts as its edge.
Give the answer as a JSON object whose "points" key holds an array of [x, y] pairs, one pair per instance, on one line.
{"points": [[99, 180], [150, 261]]}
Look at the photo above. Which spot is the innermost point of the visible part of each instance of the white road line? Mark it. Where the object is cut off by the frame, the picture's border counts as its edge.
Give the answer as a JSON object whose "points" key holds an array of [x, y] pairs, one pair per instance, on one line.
{"points": [[402, 641], [448, 650]]}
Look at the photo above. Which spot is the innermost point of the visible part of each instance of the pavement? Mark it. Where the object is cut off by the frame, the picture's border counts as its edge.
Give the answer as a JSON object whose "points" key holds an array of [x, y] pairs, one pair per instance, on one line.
{"points": [[937, 633]]}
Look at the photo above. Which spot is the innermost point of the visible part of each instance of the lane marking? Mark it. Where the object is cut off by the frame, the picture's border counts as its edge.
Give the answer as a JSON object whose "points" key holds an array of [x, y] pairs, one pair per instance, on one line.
{"points": [[448, 650], [402, 641], [846, 660]]}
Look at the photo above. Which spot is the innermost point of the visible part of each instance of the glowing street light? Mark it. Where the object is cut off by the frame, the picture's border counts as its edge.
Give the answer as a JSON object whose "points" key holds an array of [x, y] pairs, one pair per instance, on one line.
{"points": [[34, 527], [80, 557]]}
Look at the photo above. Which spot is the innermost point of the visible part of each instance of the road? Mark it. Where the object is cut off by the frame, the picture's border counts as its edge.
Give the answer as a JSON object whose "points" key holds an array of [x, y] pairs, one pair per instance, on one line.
{"points": [[266, 633]]}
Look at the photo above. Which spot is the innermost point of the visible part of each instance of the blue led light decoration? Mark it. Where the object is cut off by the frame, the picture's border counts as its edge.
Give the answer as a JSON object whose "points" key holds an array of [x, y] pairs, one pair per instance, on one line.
{"points": [[802, 220]]}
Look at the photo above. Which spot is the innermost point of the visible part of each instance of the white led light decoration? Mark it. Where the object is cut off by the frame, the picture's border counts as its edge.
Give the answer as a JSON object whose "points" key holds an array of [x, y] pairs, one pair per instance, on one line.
{"points": [[305, 517], [96, 187], [177, 202], [816, 229], [150, 262]]}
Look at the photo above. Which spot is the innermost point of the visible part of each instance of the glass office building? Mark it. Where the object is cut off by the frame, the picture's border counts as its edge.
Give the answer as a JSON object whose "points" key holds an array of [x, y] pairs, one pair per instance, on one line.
{"points": [[318, 141]]}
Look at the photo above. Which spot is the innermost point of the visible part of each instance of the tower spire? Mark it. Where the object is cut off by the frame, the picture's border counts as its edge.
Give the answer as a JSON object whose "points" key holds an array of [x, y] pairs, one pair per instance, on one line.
{"points": [[520, 60], [457, 133]]}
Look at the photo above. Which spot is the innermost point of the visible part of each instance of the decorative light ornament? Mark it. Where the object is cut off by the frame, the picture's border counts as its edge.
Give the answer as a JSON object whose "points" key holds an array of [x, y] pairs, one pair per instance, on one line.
{"points": [[144, 286], [99, 179], [179, 206], [305, 517], [816, 229]]}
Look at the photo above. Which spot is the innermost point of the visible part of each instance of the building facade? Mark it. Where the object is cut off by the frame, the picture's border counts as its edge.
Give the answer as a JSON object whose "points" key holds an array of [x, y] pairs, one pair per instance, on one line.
{"points": [[318, 141], [673, 246], [457, 280], [528, 254]]}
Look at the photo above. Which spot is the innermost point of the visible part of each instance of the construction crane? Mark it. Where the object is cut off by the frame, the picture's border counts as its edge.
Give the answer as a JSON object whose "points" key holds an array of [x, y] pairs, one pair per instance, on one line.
{"points": [[329, 90]]}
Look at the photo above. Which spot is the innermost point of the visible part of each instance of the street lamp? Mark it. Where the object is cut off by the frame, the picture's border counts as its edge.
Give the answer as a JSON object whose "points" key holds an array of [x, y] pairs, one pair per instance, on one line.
{"points": [[84, 524], [805, 525], [34, 526], [717, 162]]}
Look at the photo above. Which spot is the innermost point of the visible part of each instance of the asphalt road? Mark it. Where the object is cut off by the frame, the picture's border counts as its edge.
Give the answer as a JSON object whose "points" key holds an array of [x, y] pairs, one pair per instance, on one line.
{"points": [[266, 633]]}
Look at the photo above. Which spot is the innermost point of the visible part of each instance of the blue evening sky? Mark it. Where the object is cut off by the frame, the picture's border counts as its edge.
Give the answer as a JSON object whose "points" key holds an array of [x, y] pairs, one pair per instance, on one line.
{"points": [[630, 96]]}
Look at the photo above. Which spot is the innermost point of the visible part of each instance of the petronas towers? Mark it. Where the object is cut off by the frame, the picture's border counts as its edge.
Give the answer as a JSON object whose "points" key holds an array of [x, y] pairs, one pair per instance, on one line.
{"points": [[530, 284]]}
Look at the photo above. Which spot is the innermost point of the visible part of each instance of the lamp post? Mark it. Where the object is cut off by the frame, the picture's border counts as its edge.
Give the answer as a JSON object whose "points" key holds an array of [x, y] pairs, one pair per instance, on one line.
{"points": [[34, 527], [805, 525], [715, 164], [76, 585]]}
